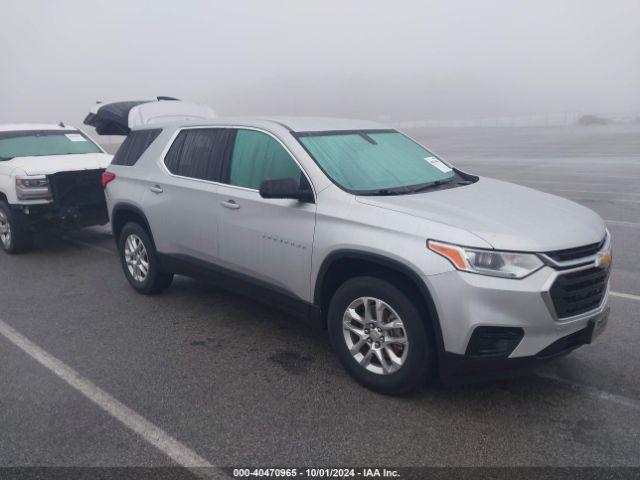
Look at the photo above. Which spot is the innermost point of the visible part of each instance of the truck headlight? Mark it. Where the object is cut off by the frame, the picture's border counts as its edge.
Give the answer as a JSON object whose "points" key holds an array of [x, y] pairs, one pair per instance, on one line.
{"points": [[32, 188], [488, 262]]}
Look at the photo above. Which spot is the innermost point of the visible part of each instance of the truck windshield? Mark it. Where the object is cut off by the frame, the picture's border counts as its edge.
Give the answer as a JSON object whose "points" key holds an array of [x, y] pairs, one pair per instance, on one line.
{"points": [[37, 143], [375, 161]]}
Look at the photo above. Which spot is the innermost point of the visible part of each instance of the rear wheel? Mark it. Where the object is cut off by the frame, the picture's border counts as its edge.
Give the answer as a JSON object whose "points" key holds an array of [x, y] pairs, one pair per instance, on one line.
{"points": [[139, 261], [380, 336], [14, 234]]}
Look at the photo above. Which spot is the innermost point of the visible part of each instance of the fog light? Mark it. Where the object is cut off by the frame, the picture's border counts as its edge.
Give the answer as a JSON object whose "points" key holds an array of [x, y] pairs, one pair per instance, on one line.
{"points": [[494, 341]]}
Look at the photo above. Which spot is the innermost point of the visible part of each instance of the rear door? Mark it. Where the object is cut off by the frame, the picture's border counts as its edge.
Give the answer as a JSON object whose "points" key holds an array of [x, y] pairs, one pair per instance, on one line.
{"points": [[269, 240], [181, 201]]}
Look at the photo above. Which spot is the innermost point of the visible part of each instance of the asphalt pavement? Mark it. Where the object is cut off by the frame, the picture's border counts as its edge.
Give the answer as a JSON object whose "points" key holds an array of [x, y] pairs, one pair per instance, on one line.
{"points": [[234, 382]]}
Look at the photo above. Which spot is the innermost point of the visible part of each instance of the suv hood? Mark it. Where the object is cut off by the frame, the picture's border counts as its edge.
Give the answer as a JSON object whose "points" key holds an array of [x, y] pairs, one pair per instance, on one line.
{"points": [[507, 216], [48, 164]]}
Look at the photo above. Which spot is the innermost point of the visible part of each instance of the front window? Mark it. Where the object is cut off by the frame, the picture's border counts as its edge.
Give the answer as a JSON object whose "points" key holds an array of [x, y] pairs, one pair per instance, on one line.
{"points": [[257, 157], [375, 161], [44, 142]]}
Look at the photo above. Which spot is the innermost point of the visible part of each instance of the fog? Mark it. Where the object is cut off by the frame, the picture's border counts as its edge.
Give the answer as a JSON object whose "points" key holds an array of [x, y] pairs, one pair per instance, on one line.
{"points": [[379, 60]]}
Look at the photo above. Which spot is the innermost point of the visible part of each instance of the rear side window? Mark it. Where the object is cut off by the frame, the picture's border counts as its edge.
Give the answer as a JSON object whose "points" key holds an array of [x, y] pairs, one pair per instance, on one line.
{"points": [[257, 157], [134, 146], [200, 152]]}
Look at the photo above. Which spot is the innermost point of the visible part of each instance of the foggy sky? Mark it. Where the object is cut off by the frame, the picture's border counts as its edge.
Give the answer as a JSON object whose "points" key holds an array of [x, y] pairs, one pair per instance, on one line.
{"points": [[380, 60]]}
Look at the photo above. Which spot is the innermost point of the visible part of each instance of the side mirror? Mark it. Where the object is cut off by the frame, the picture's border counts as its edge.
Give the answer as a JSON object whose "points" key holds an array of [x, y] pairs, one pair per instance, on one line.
{"points": [[285, 188]]}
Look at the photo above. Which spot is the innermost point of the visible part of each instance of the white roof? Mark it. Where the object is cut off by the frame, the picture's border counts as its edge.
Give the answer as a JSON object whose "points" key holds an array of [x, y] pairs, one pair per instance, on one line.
{"points": [[18, 127]]}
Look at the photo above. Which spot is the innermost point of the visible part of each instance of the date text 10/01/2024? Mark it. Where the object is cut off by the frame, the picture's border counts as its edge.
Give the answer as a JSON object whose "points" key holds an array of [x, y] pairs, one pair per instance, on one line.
{"points": [[316, 472]]}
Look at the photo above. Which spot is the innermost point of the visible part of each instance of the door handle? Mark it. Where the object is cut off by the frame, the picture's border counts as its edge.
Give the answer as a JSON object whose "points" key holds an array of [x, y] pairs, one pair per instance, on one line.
{"points": [[156, 189], [230, 204]]}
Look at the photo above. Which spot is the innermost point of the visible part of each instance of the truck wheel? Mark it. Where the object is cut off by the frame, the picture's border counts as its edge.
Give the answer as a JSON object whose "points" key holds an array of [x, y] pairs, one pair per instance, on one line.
{"points": [[380, 336], [140, 262], [14, 234]]}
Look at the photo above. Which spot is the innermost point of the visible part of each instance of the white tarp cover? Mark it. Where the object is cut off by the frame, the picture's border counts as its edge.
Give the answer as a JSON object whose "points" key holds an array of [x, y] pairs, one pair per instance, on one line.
{"points": [[119, 118]]}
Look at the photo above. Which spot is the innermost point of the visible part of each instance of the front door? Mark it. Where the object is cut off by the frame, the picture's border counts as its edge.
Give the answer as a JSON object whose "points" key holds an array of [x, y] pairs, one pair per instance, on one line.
{"points": [[270, 240]]}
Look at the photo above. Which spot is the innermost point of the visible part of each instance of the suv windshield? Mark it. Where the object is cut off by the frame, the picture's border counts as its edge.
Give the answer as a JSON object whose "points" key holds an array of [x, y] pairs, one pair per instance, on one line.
{"points": [[37, 143], [375, 161]]}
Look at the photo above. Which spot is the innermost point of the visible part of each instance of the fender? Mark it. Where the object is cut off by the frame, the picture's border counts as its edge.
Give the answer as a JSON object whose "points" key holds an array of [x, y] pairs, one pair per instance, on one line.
{"points": [[120, 206], [391, 264]]}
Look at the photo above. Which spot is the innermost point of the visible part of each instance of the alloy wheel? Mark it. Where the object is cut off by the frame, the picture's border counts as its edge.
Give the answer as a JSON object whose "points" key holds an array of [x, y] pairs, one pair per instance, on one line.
{"points": [[375, 335], [5, 230], [136, 258]]}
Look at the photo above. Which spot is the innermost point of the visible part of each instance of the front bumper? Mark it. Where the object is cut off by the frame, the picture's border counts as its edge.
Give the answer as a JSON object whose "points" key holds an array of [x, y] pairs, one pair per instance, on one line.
{"points": [[465, 301], [76, 198], [76, 216], [453, 366]]}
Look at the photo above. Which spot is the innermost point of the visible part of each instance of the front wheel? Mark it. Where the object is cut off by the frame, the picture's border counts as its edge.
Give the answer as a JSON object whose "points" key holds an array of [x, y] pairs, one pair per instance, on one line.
{"points": [[140, 261], [15, 237], [380, 336]]}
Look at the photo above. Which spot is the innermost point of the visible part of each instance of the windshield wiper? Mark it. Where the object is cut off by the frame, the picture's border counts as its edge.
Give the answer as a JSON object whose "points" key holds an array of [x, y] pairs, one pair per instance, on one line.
{"points": [[427, 186], [407, 189], [385, 191], [388, 191]]}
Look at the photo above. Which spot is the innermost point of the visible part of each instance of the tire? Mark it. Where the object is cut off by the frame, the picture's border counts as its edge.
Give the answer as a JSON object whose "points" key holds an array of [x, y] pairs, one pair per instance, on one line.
{"points": [[154, 280], [15, 237], [416, 363]]}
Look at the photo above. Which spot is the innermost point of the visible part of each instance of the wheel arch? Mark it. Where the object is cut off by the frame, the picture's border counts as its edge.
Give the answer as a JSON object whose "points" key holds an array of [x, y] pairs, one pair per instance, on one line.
{"points": [[342, 265], [124, 213]]}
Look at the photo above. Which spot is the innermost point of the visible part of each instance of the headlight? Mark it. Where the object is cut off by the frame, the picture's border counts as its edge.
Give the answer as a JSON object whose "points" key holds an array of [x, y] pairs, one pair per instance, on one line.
{"points": [[32, 188], [488, 262]]}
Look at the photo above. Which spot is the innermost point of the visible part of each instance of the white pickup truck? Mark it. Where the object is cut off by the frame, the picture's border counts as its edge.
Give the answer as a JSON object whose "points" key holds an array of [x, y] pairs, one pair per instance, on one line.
{"points": [[49, 174]]}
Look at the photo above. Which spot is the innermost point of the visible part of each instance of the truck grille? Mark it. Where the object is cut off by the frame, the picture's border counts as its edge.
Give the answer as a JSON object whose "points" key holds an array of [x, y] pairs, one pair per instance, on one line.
{"points": [[77, 188], [578, 292]]}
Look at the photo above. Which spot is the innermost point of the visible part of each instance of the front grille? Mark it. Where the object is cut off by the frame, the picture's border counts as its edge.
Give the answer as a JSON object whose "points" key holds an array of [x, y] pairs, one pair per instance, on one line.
{"points": [[578, 292], [575, 253], [77, 188]]}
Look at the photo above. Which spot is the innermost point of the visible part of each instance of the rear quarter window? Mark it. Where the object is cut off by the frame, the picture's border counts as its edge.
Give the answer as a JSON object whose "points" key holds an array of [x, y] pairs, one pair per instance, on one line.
{"points": [[134, 146]]}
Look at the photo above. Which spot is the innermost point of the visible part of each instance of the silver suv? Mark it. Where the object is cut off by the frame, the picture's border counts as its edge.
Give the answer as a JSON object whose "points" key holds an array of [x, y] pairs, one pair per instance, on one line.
{"points": [[415, 267]]}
